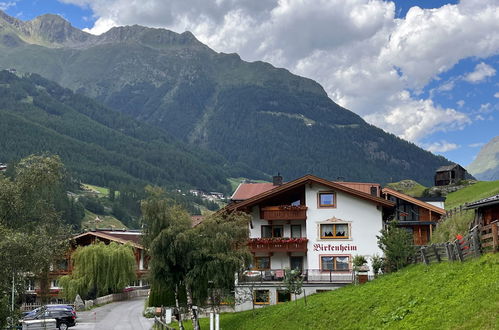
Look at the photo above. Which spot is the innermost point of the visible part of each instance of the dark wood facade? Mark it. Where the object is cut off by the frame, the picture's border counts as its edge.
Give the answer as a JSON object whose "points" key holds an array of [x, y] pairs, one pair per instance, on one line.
{"points": [[451, 174], [415, 216], [486, 210]]}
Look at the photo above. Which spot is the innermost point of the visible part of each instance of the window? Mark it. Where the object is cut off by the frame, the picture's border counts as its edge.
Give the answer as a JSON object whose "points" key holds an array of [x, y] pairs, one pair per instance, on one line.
{"points": [[272, 231], [261, 297], [335, 231], [262, 263], [335, 263], [54, 284], [295, 231], [30, 285], [327, 199], [283, 296]]}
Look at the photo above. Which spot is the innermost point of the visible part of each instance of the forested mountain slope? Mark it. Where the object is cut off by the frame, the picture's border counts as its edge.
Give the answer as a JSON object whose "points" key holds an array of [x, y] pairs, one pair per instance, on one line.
{"points": [[99, 145], [250, 113]]}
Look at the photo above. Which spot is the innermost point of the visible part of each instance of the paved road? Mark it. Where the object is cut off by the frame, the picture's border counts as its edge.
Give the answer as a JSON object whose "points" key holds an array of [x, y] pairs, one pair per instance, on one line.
{"points": [[122, 315]]}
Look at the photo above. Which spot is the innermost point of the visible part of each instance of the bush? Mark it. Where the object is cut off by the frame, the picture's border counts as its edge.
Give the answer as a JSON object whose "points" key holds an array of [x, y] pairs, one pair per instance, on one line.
{"points": [[396, 244]]}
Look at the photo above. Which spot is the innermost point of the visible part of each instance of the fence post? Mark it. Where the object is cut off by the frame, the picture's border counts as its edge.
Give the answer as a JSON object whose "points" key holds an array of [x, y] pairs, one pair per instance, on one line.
{"points": [[436, 253], [495, 238], [476, 241], [459, 251], [423, 255], [448, 249]]}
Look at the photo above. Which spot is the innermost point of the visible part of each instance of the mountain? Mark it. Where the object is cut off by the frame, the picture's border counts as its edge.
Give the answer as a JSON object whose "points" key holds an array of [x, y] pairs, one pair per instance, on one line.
{"points": [[486, 164], [250, 113], [97, 144]]}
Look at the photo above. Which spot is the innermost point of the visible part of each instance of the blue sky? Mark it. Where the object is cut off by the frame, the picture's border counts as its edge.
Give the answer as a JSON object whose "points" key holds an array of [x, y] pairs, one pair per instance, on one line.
{"points": [[428, 75]]}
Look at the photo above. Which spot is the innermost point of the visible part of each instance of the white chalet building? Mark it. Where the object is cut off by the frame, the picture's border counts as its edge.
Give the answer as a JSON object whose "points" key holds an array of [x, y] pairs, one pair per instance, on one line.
{"points": [[310, 223]]}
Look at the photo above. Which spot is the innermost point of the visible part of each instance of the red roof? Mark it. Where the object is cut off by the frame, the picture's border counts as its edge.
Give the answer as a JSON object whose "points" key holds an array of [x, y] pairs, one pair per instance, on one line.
{"points": [[304, 180], [248, 190]]}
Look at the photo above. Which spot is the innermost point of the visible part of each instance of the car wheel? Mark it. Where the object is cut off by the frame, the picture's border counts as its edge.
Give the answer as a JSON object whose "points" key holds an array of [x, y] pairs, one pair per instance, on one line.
{"points": [[63, 326]]}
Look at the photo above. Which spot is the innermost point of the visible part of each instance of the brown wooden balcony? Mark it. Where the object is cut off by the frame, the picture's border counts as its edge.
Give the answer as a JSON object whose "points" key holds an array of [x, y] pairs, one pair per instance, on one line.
{"points": [[284, 212], [278, 244]]}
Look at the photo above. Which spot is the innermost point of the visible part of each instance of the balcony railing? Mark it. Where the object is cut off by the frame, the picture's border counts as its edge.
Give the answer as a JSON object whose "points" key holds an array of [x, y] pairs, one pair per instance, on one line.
{"points": [[278, 244], [284, 212], [308, 275]]}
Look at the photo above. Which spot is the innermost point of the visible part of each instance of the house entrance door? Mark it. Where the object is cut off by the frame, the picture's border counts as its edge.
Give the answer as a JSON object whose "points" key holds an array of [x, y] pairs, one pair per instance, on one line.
{"points": [[296, 262]]}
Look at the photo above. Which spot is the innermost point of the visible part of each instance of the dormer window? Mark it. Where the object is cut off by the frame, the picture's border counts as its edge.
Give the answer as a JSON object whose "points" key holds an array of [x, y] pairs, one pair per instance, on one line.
{"points": [[327, 199]]}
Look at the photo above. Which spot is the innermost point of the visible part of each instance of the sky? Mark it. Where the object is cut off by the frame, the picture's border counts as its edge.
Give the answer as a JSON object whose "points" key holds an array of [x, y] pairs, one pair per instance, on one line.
{"points": [[424, 70]]}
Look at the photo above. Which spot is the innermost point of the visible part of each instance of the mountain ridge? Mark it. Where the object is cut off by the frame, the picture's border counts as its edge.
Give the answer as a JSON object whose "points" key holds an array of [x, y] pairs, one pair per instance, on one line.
{"points": [[486, 164], [225, 105]]}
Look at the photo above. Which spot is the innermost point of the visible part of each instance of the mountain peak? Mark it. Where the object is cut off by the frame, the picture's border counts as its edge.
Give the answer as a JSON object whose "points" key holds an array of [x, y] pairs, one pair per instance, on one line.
{"points": [[55, 29], [47, 30]]}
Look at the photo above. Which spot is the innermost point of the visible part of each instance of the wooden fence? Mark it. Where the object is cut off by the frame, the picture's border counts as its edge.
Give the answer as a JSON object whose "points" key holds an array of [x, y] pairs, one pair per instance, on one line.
{"points": [[478, 241]]}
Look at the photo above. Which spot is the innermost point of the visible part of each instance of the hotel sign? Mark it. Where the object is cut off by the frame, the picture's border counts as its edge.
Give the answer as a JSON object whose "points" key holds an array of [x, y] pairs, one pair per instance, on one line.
{"points": [[330, 247]]}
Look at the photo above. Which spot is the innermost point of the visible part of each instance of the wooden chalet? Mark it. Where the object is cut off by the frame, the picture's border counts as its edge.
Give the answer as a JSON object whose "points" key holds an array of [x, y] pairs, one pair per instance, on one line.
{"points": [[450, 174], [414, 215], [486, 210]]}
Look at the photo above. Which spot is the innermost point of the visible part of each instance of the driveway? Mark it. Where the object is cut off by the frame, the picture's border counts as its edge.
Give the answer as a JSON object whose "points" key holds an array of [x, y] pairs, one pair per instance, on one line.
{"points": [[118, 315]]}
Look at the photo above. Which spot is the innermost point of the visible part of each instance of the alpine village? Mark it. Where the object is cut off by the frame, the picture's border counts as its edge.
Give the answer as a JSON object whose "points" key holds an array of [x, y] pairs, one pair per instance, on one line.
{"points": [[148, 181]]}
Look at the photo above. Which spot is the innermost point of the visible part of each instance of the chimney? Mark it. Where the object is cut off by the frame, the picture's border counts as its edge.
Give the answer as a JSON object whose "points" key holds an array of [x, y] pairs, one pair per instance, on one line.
{"points": [[277, 179]]}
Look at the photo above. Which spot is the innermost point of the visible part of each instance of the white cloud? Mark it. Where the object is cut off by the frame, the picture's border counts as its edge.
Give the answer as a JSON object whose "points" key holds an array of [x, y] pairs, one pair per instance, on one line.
{"points": [[441, 146], [367, 60], [496, 95], [6, 5], [476, 145], [460, 103], [482, 72]]}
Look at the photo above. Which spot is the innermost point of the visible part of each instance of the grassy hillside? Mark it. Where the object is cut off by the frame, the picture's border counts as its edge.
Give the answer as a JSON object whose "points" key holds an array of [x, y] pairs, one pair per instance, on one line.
{"points": [[408, 187], [472, 193], [94, 221], [441, 296]]}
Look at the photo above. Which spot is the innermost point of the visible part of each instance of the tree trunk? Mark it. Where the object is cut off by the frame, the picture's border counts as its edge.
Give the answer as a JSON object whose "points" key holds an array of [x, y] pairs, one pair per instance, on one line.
{"points": [[177, 305], [194, 314], [305, 297]]}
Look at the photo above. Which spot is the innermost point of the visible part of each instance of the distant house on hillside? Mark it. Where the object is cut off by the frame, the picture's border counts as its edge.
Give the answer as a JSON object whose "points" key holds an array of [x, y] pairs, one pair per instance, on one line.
{"points": [[3, 167], [449, 174]]}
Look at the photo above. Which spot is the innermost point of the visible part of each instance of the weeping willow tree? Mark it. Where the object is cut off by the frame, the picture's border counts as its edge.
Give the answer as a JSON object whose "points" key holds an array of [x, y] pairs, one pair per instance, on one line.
{"points": [[99, 269], [200, 261]]}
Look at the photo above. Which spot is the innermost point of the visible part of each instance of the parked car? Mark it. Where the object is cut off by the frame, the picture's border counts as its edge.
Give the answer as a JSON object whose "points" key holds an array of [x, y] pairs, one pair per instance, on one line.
{"points": [[64, 318], [31, 314]]}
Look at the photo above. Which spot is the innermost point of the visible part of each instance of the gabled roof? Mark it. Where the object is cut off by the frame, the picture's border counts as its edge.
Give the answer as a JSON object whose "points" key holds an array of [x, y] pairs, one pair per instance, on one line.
{"points": [[447, 167], [483, 202], [302, 181], [248, 190], [413, 200], [123, 237]]}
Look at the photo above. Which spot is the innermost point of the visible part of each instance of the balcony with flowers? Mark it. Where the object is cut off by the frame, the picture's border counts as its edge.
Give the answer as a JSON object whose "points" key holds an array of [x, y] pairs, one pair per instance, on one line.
{"points": [[278, 244], [284, 212]]}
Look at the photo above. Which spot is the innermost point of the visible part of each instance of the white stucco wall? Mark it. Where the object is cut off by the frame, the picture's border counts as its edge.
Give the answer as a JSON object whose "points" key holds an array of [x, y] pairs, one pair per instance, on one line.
{"points": [[364, 217], [365, 220]]}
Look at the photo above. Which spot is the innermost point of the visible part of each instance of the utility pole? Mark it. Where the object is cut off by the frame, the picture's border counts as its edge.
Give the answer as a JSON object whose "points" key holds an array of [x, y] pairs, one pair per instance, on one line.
{"points": [[12, 297]]}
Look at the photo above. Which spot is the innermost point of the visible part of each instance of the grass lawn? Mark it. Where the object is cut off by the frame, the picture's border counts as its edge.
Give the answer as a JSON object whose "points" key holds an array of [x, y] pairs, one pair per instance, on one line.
{"points": [[449, 295], [408, 187], [472, 193], [105, 221], [103, 191]]}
